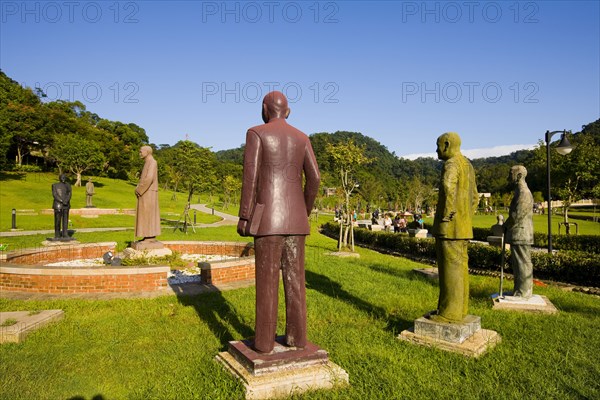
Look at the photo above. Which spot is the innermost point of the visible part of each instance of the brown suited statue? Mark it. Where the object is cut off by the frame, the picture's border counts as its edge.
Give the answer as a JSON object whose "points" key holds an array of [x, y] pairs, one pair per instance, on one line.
{"points": [[519, 233], [452, 228], [147, 216], [274, 209], [61, 191]]}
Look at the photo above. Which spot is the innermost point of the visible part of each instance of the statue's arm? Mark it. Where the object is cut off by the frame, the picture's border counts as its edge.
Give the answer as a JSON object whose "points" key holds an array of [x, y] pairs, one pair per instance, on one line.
{"points": [[450, 183], [68, 193], [252, 154], [149, 173], [313, 178]]}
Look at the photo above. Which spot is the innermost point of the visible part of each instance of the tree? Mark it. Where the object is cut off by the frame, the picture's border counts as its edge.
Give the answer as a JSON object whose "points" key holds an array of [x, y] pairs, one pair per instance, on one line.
{"points": [[196, 167], [346, 157], [231, 186], [77, 155]]}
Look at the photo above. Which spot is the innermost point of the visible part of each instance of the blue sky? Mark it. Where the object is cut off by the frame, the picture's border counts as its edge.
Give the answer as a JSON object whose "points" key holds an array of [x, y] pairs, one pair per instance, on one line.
{"points": [[498, 73]]}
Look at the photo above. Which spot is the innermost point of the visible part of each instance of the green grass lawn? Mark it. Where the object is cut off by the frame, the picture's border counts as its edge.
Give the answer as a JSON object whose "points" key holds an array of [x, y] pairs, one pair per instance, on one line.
{"points": [[164, 348], [33, 191], [540, 223]]}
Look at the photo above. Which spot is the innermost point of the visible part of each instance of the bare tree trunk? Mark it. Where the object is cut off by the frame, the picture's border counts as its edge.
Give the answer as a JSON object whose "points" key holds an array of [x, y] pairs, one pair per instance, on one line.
{"points": [[78, 181], [341, 234]]}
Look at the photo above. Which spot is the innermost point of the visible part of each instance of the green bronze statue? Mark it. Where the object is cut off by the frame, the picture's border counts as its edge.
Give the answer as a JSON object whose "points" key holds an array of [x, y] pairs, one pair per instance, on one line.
{"points": [[452, 229]]}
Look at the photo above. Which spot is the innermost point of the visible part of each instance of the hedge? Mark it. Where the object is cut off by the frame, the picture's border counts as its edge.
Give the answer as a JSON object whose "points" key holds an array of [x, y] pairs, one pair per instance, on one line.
{"points": [[576, 267], [585, 243]]}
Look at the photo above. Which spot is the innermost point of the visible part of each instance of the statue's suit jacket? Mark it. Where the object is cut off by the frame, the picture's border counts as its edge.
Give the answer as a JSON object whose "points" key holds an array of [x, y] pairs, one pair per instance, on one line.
{"points": [[62, 195], [457, 196], [519, 225], [275, 158]]}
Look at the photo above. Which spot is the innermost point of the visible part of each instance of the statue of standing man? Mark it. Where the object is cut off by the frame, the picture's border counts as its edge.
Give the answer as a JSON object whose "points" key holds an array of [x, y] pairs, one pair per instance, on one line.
{"points": [[452, 228], [89, 192], [274, 208], [147, 216], [519, 233], [61, 191]]}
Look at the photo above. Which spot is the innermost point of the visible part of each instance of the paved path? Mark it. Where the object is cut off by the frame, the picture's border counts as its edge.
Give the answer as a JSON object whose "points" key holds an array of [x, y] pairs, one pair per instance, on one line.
{"points": [[227, 219], [47, 232]]}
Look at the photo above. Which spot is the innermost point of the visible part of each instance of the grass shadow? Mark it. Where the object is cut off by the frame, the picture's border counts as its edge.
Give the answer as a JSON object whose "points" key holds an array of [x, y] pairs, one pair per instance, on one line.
{"points": [[95, 397], [328, 287], [220, 316], [12, 176]]}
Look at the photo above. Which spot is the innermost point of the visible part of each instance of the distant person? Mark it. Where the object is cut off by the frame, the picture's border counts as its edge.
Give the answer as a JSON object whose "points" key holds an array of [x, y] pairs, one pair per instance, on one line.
{"points": [[61, 192], [396, 224], [402, 224], [387, 223]]}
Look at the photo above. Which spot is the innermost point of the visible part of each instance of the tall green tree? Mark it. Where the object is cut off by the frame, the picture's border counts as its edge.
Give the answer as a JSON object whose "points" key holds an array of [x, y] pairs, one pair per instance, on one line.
{"points": [[346, 158], [78, 155]]}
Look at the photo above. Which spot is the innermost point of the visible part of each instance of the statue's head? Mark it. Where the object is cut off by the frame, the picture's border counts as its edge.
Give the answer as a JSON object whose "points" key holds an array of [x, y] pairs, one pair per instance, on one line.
{"points": [[448, 145], [500, 219], [62, 178], [274, 105], [145, 151], [517, 173]]}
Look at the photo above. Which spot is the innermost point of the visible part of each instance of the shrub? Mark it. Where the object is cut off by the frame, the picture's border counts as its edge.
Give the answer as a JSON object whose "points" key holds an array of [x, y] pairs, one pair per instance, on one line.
{"points": [[572, 266]]}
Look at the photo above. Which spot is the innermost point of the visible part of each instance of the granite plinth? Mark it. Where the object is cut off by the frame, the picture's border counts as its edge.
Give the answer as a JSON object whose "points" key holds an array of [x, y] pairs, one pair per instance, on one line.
{"points": [[27, 322], [283, 372], [476, 345], [535, 303], [448, 332], [59, 242], [282, 356], [429, 273], [147, 244], [418, 233], [343, 254], [131, 253]]}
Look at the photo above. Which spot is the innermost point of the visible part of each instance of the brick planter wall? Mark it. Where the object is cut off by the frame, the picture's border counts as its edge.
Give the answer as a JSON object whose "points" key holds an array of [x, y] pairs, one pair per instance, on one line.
{"points": [[82, 280], [227, 271], [219, 272], [23, 271]]}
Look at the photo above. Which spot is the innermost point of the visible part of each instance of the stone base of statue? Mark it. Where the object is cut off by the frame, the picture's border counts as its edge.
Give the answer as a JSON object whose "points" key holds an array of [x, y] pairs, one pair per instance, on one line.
{"points": [[535, 303], [283, 372], [147, 244], [59, 241], [429, 273], [466, 338], [418, 233], [131, 253]]}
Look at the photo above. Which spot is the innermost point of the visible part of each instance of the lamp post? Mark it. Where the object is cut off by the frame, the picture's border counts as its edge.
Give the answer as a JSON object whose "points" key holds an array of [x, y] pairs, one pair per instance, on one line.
{"points": [[563, 148]]}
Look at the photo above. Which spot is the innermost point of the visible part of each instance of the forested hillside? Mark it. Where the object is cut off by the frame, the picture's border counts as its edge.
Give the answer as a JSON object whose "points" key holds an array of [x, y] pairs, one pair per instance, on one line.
{"points": [[39, 135]]}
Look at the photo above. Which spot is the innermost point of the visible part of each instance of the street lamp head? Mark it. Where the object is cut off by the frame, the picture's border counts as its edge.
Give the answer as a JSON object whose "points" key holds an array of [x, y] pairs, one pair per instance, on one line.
{"points": [[564, 147]]}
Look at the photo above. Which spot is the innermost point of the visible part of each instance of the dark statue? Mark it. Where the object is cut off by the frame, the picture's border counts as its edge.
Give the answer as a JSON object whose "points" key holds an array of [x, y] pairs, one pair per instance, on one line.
{"points": [[61, 191], [274, 208]]}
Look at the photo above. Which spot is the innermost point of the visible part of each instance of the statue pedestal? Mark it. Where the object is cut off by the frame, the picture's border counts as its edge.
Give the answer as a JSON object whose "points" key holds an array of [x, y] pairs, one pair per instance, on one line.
{"points": [[466, 338], [418, 233], [147, 244], [131, 253], [535, 303], [59, 241], [283, 372]]}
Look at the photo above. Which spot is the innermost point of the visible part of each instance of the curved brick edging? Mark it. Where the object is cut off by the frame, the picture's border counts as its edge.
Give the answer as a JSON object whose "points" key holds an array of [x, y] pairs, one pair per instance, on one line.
{"points": [[82, 280], [219, 272], [23, 270]]}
